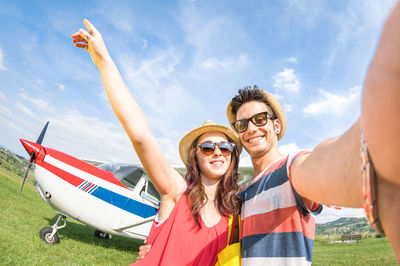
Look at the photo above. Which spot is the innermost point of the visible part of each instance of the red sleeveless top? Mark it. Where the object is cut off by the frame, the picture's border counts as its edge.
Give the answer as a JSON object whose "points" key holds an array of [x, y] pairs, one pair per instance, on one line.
{"points": [[180, 241]]}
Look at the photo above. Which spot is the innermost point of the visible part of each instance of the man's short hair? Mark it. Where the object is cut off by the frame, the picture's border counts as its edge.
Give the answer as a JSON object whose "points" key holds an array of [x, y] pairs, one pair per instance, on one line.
{"points": [[248, 94]]}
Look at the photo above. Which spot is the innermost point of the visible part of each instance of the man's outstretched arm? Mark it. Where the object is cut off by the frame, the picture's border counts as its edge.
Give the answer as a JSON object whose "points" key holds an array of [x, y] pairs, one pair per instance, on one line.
{"points": [[331, 174]]}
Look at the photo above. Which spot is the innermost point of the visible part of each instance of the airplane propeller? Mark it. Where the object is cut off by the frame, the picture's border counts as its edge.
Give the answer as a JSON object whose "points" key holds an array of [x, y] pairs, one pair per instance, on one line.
{"points": [[38, 141]]}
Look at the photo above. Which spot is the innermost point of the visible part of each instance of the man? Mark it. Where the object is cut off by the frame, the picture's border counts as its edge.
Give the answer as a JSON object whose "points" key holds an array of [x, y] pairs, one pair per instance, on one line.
{"points": [[277, 228]]}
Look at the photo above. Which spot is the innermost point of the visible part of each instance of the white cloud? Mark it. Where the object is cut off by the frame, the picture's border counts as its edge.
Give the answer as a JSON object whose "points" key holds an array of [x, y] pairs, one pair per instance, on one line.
{"points": [[287, 81], [348, 24], [4, 110], [89, 138], [145, 43], [287, 107], [37, 102], [155, 86], [2, 96], [2, 67], [359, 24], [25, 109], [331, 103], [289, 148], [291, 60], [61, 87], [214, 63]]}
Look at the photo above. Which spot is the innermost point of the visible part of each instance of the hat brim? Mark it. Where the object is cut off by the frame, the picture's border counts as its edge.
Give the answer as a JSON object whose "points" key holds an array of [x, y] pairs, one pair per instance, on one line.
{"points": [[276, 107], [189, 138]]}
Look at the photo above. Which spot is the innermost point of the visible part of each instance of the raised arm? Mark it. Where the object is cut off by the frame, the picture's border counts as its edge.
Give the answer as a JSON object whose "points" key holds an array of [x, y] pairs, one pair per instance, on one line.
{"points": [[166, 179]]}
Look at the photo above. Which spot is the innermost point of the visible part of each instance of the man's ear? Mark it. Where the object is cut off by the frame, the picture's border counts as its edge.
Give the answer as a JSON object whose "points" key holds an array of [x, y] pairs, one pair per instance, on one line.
{"points": [[277, 126]]}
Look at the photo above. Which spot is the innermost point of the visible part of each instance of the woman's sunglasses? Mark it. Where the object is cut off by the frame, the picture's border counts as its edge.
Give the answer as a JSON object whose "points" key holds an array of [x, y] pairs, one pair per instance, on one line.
{"points": [[260, 119], [208, 148]]}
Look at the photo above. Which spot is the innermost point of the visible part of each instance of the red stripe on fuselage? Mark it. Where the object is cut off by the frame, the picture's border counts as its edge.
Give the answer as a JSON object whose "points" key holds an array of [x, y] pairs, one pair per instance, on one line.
{"points": [[70, 178], [86, 167], [92, 185]]}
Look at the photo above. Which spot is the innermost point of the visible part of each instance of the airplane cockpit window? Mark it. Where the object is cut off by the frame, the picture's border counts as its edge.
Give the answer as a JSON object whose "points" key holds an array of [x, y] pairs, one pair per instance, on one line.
{"points": [[150, 193], [129, 175], [151, 189]]}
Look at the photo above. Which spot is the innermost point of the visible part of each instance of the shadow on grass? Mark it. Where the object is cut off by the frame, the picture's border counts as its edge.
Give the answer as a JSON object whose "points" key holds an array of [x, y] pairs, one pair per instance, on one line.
{"points": [[85, 234]]}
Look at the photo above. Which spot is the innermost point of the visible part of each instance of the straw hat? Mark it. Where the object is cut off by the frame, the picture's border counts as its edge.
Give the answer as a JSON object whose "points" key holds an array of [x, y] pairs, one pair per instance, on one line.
{"points": [[207, 126], [276, 107]]}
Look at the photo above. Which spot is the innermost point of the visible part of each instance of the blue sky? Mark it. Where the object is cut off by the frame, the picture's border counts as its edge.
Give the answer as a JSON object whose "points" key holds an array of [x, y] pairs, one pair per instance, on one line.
{"points": [[183, 61]]}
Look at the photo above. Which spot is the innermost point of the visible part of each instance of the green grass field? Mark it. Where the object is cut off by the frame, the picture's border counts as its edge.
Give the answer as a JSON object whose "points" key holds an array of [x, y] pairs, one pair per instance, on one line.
{"points": [[366, 252], [21, 221]]}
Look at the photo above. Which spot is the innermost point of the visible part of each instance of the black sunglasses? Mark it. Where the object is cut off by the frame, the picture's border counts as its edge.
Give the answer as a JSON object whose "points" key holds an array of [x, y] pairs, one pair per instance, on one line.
{"points": [[260, 119], [208, 148]]}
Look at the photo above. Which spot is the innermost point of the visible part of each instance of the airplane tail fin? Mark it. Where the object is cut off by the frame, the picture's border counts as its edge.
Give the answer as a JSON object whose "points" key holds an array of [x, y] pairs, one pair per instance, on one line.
{"points": [[32, 154]]}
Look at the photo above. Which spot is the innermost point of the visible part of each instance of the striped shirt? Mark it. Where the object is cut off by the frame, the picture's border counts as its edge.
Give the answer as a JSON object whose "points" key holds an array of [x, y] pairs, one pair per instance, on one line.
{"points": [[277, 228]]}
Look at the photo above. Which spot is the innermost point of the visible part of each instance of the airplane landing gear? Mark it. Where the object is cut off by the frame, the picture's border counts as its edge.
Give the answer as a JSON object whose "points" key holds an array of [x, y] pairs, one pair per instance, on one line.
{"points": [[100, 234], [49, 234]]}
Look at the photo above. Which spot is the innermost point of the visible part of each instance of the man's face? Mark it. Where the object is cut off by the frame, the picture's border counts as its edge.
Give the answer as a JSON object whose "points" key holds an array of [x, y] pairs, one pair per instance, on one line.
{"points": [[257, 140]]}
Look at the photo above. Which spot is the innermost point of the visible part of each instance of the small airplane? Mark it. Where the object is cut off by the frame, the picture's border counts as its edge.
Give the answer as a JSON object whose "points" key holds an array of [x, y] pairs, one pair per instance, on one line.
{"points": [[115, 199]]}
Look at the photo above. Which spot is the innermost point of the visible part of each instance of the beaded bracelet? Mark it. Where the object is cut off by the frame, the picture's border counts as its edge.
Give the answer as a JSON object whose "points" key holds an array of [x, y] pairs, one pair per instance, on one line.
{"points": [[369, 195]]}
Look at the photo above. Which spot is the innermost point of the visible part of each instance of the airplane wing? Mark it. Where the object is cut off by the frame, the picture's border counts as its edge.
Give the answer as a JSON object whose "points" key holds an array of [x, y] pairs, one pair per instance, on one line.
{"points": [[93, 162], [149, 219]]}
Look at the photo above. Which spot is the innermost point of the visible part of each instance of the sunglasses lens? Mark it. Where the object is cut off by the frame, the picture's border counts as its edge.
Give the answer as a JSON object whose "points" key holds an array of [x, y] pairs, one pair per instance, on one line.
{"points": [[260, 119], [225, 148], [207, 148], [241, 125]]}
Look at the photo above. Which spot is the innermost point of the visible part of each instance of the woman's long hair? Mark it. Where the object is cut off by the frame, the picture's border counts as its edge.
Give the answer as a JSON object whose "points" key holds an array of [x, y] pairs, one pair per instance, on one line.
{"points": [[227, 201]]}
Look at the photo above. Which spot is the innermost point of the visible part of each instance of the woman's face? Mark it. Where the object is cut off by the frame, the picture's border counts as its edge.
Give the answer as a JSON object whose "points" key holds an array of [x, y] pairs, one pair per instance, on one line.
{"points": [[215, 165]]}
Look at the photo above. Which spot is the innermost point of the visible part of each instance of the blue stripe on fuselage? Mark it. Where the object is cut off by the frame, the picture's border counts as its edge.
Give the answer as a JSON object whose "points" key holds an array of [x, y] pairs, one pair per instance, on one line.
{"points": [[124, 203]]}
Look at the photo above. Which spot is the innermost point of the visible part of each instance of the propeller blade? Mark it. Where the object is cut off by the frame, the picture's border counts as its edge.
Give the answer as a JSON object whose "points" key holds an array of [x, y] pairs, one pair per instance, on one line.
{"points": [[41, 136], [26, 173], [30, 148]]}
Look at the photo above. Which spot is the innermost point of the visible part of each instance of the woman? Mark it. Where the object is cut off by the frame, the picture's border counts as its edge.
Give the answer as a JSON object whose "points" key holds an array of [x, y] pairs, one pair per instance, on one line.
{"points": [[191, 224]]}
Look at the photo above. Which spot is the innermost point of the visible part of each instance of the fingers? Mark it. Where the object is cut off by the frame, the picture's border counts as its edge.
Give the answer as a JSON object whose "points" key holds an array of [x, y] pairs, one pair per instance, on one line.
{"points": [[77, 37], [143, 250], [82, 45], [80, 39], [85, 35], [91, 28]]}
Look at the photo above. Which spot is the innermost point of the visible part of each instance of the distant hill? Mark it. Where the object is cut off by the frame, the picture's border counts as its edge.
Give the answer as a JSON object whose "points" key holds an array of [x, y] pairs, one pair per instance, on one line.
{"points": [[12, 162], [344, 226]]}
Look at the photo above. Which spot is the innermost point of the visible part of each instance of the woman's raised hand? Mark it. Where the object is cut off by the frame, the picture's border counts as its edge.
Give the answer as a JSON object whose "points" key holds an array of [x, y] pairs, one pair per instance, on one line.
{"points": [[92, 41]]}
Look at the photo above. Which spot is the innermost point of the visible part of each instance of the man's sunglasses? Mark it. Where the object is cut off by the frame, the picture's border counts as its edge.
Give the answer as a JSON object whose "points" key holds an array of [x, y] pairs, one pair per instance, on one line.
{"points": [[260, 119], [208, 148]]}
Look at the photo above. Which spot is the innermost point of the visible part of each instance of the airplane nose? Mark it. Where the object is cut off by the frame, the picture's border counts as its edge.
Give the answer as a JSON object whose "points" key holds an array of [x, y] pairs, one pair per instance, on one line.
{"points": [[31, 146]]}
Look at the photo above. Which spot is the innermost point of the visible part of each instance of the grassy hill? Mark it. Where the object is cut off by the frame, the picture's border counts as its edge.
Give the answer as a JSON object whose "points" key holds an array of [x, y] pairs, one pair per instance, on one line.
{"points": [[12, 162], [344, 226]]}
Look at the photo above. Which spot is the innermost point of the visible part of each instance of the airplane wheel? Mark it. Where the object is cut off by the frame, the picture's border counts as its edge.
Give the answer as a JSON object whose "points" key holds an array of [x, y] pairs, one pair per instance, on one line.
{"points": [[45, 234], [100, 234]]}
